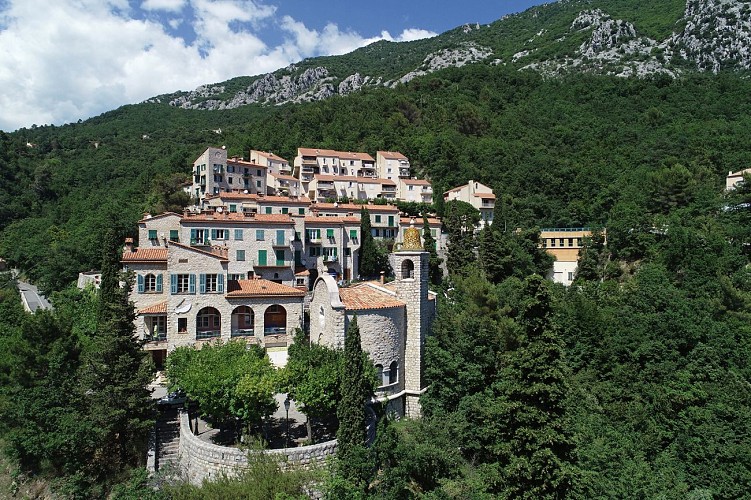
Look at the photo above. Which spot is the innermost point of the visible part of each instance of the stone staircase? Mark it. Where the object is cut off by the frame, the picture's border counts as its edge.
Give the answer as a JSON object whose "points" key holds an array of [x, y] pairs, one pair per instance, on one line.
{"points": [[167, 441]]}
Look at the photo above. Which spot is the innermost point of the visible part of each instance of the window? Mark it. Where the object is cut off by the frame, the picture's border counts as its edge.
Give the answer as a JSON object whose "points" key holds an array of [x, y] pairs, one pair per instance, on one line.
{"points": [[433, 233], [379, 375], [301, 211], [183, 283], [220, 234], [570, 276], [241, 255], [174, 235], [258, 173], [229, 179], [378, 219], [285, 210], [393, 372], [570, 242], [238, 234], [408, 269], [552, 242], [258, 184], [267, 210], [150, 283], [410, 187], [330, 234], [182, 325], [391, 221], [560, 241], [330, 252], [347, 251], [198, 236], [259, 235], [152, 234], [230, 169], [578, 242], [262, 257], [353, 234], [235, 277], [280, 237], [280, 257], [211, 283], [233, 208], [313, 234], [315, 251]]}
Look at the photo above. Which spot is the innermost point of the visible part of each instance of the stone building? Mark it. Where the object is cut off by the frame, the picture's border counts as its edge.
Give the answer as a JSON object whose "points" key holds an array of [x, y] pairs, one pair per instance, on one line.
{"points": [[393, 318]]}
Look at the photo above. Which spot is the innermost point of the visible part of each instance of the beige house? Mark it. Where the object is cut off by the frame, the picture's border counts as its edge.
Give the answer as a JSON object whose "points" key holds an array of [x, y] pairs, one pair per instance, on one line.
{"points": [[564, 244], [214, 173], [283, 185], [417, 190], [274, 164], [393, 319], [392, 165], [312, 161], [733, 178], [323, 187], [476, 194]]}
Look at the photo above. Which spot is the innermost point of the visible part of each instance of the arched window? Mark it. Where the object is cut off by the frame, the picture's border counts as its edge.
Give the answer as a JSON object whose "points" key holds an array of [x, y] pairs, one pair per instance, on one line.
{"points": [[393, 372], [242, 321], [208, 323], [275, 319], [408, 269], [149, 283], [379, 375], [322, 317]]}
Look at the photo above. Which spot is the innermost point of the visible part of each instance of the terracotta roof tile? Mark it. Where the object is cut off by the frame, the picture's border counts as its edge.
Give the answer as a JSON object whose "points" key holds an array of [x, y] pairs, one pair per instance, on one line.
{"points": [[261, 288], [349, 178], [316, 152], [243, 163], [405, 221], [224, 217], [351, 207], [284, 199], [160, 308], [392, 155], [323, 220], [485, 195], [145, 255], [368, 296], [270, 156], [217, 252]]}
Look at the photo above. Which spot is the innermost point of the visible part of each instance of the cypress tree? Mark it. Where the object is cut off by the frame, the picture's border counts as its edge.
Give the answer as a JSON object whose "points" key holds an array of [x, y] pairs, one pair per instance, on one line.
{"points": [[351, 409], [434, 264], [369, 260]]}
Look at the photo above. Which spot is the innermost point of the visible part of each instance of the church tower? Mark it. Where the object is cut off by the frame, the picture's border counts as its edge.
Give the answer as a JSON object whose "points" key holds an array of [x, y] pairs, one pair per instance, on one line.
{"points": [[411, 269]]}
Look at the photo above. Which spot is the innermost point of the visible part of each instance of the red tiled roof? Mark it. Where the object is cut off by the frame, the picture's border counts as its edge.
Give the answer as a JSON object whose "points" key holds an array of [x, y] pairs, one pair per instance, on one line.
{"points": [[405, 221], [316, 152], [485, 195], [392, 155], [285, 177], [301, 271], [284, 199], [225, 217], [163, 214], [352, 207], [367, 296], [270, 156], [324, 220], [261, 288], [145, 255], [216, 252], [244, 163], [349, 178], [160, 308], [349, 155]]}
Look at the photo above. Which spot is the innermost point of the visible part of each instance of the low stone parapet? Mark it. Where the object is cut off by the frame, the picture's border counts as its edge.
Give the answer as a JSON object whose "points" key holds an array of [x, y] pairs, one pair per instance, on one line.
{"points": [[200, 460]]}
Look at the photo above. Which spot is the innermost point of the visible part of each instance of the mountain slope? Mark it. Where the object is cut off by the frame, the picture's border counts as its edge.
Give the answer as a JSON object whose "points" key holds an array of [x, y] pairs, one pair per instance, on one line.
{"points": [[616, 37]]}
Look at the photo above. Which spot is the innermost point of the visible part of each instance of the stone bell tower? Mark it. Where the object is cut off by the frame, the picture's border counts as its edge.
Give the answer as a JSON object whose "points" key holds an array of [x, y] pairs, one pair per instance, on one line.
{"points": [[411, 269]]}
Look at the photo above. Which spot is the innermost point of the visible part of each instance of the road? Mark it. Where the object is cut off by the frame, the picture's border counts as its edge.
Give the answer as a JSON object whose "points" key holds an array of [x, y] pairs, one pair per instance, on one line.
{"points": [[32, 299]]}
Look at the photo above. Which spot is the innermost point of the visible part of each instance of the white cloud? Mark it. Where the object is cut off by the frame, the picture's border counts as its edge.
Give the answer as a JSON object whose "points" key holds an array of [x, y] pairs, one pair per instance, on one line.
{"points": [[89, 56], [166, 5]]}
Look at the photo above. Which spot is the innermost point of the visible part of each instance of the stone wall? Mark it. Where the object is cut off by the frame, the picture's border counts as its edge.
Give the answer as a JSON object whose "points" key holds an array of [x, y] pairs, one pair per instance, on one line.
{"points": [[200, 460]]}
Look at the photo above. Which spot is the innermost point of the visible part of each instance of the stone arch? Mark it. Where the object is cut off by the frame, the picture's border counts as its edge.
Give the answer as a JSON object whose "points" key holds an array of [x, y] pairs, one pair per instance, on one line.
{"points": [[408, 269], [275, 319], [208, 323], [379, 374], [242, 321]]}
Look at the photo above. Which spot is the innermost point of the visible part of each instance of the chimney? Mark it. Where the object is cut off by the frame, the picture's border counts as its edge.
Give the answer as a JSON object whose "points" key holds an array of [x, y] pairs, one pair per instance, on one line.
{"points": [[383, 277], [129, 245]]}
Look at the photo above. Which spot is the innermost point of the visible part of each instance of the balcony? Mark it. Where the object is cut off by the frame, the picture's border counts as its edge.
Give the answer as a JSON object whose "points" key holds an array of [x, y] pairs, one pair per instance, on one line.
{"points": [[273, 263], [315, 240], [208, 334], [330, 258], [403, 172], [281, 243], [243, 332]]}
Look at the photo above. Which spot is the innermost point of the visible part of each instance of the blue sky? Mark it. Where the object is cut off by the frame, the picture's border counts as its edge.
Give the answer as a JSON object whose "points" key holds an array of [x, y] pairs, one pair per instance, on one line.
{"points": [[84, 57]]}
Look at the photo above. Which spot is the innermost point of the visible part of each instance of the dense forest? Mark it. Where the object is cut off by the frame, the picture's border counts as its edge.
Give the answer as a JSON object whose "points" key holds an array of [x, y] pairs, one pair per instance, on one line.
{"points": [[634, 382]]}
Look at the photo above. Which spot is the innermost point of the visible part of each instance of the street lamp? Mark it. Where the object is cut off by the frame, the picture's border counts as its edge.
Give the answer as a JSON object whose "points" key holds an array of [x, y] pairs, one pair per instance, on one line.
{"points": [[286, 407]]}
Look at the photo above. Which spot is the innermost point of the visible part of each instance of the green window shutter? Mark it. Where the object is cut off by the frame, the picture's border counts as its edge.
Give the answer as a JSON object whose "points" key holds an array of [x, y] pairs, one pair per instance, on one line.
{"points": [[159, 282], [152, 234], [391, 221], [268, 210], [173, 283], [262, 257], [202, 283], [259, 234], [193, 235], [241, 255], [329, 233], [280, 257], [335, 251], [220, 283], [238, 234], [140, 283], [174, 235], [213, 233], [233, 208], [378, 219], [353, 234], [301, 211], [285, 210], [192, 283], [280, 236]]}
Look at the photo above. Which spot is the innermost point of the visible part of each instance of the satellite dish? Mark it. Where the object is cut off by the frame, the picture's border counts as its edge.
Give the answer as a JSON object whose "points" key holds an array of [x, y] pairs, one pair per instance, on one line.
{"points": [[218, 210], [245, 191], [183, 307]]}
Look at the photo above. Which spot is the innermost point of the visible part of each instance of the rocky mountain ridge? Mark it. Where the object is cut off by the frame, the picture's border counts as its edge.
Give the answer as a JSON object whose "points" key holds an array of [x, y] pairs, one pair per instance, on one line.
{"points": [[711, 35]]}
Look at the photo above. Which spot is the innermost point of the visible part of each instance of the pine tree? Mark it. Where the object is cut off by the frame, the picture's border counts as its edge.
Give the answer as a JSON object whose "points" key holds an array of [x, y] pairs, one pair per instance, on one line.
{"points": [[369, 260], [533, 447], [434, 264], [351, 409], [115, 374]]}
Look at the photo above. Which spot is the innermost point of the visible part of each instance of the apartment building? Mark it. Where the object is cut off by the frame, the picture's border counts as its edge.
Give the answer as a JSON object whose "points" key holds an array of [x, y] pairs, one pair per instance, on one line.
{"points": [[417, 190], [214, 173], [392, 165], [274, 164], [384, 219], [564, 244], [324, 187], [733, 178], [283, 185], [332, 244], [476, 194]]}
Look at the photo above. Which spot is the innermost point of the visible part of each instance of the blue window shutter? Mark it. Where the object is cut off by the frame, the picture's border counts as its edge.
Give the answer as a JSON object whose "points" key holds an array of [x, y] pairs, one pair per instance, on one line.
{"points": [[192, 283], [213, 233], [202, 284], [193, 235], [140, 283], [220, 283], [173, 283], [159, 283]]}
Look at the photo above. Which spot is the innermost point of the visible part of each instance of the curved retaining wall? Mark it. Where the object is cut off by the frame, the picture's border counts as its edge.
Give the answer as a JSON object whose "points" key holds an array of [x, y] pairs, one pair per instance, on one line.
{"points": [[200, 460]]}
